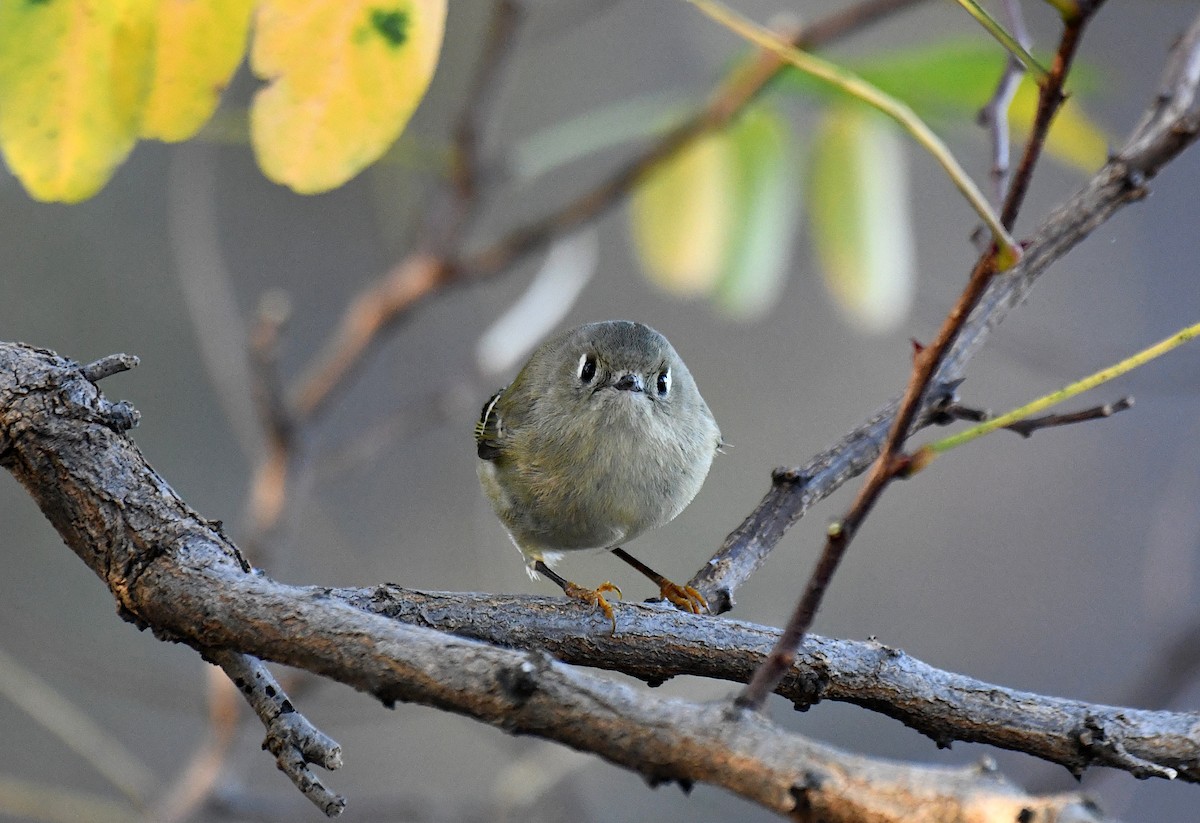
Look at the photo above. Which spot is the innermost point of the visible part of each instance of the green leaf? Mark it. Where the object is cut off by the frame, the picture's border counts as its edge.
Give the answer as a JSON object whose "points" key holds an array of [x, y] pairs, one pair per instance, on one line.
{"points": [[73, 81], [858, 198], [764, 214]]}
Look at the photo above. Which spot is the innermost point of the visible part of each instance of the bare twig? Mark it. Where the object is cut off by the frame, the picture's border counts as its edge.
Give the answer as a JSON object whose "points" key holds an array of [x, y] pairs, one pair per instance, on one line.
{"points": [[891, 463], [1029, 425], [108, 366], [290, 737], [994, 114], [268, 488]]}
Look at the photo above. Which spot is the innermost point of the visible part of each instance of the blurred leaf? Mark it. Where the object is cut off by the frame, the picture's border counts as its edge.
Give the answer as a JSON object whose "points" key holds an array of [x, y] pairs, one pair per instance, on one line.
{"points": [[764, 214], [939, 81], [198, 47], [717, 220], [73, 81], [1073, 139], [858, 198], [681, 216], [344, 78], [948, 82]]}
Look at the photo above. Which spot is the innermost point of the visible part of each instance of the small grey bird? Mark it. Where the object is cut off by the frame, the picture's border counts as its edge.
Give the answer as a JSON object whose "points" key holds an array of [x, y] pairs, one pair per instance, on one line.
{"points": [[602, 435]]}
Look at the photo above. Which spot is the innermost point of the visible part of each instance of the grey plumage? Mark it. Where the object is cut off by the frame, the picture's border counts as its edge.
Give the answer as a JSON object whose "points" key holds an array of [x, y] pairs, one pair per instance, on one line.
{"points": [[601, 436]]}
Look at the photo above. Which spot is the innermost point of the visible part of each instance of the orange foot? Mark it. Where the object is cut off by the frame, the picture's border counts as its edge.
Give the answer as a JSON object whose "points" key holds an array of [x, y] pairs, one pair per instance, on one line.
{"points": [[595, 597], [685, 598]]}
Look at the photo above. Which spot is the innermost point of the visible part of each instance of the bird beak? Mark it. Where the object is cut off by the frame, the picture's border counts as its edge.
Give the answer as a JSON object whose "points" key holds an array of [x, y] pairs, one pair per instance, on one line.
{"points": [[630, 382]]}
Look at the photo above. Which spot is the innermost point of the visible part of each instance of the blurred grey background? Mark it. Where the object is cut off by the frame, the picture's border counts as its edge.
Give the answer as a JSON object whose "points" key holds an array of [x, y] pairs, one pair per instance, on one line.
{"points": [[1063, 565]]}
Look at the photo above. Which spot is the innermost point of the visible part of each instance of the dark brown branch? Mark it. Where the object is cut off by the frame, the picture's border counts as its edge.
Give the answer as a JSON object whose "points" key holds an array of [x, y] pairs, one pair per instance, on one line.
{"points": [[1029, 425], [175, 572]]}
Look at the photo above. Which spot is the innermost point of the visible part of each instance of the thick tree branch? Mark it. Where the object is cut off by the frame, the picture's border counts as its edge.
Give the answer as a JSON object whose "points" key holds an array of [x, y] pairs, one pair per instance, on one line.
{"points": [[176, 573], [655, 642]]}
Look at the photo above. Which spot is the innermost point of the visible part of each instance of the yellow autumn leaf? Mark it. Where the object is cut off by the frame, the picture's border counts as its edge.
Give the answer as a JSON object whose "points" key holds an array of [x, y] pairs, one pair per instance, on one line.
{"points": [[344, 76], [682, 217], [197, 48], [73, 81]]}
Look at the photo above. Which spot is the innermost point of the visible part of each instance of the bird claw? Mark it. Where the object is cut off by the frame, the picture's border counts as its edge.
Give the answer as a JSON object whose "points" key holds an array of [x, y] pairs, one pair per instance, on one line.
{"points": [[685, 598], [595, 597]]}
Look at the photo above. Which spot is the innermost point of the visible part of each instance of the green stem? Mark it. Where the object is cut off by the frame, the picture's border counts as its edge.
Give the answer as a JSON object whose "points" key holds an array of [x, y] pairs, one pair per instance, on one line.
{"points": [[1065, 393], [1068, 9], [860, 89], [1005, 39]]}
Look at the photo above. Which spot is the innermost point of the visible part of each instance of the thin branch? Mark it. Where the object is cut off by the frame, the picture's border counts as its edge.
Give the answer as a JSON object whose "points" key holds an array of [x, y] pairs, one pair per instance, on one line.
{"points": [[108, 366], [994, 114], [1029, 425], [890, 462], [268, 487], [1014, 44], [1078, 387], [1050, 99], [290, 737]]}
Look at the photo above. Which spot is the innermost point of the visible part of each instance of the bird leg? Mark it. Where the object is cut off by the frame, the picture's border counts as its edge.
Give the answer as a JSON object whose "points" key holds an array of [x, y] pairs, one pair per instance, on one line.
{"points": [[685, 598], [576, 592]]}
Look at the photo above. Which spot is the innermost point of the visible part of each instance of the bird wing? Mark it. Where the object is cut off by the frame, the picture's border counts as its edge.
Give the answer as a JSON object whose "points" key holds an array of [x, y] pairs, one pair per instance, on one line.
{"points": [[489, 431]]}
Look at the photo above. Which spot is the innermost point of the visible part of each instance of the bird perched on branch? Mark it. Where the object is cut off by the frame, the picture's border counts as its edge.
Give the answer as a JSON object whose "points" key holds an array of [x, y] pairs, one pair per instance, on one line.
{"points": [[602, 436]]}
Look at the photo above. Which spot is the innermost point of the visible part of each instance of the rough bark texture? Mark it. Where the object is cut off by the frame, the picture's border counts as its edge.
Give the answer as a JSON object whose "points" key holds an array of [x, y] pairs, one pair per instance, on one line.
{"points": [[173, 571]]}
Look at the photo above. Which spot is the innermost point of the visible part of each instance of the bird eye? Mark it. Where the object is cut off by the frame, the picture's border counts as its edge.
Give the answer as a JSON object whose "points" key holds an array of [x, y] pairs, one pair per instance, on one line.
{"points": [[587, 368], [664, 382]]}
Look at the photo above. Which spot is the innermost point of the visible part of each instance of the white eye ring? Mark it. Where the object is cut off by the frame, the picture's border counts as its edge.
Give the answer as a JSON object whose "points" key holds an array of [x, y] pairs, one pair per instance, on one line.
{"points": [[587, 368], [664, 382]]}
